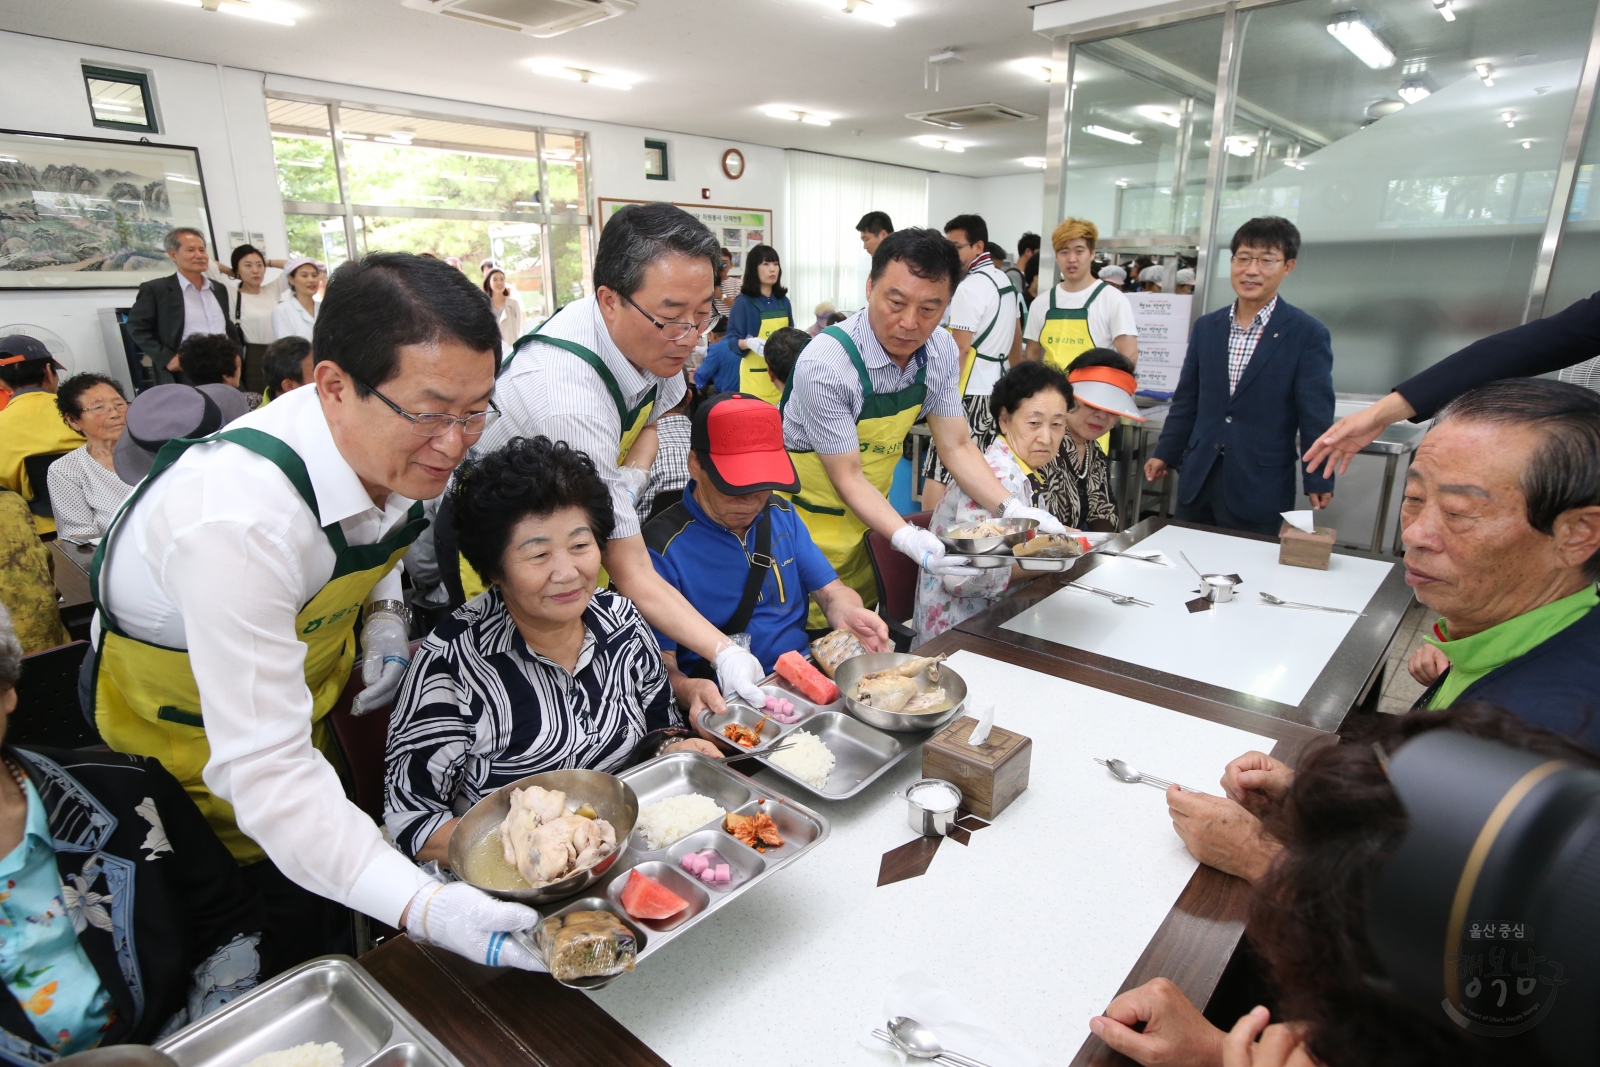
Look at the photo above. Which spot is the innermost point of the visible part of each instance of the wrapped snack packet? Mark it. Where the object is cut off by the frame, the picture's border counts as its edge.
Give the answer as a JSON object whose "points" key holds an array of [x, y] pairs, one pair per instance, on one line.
{"points": [[834, 648], [587, 944]]}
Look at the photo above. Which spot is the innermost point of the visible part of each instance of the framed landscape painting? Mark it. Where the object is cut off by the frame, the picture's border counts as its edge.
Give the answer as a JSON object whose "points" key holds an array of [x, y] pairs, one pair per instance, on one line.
{"points": [[92, 213]]}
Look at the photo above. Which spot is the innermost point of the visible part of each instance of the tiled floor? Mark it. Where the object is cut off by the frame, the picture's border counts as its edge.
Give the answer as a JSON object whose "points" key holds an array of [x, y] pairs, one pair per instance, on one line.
{"points": [[1400, 690]]}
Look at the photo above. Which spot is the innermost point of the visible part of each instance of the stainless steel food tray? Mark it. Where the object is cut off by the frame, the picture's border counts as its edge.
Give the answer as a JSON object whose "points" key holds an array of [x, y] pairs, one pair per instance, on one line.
{"points": [[862, 753], [1047, 564], [328, 999], [673, 775]]}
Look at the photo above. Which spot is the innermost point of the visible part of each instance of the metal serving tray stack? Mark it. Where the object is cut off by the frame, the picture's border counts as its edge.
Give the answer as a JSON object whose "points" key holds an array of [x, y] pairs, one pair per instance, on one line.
{"points": [[327, 999], [862, 753], [673, 775]]}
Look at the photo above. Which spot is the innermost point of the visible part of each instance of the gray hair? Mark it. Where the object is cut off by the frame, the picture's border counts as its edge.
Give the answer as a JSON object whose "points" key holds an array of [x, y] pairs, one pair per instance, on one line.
{"points": [[1564, 472], [10, 652], [641, 234], [174, 242]]}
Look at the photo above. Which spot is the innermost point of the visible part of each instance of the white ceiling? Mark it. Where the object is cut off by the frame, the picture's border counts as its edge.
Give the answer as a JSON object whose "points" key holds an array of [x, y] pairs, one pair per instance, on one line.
{"points": [[699, 66]]}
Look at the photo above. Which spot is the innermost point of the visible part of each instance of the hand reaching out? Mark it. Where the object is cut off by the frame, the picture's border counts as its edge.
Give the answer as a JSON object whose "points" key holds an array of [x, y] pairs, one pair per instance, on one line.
{"points": [[1175, 1034]]}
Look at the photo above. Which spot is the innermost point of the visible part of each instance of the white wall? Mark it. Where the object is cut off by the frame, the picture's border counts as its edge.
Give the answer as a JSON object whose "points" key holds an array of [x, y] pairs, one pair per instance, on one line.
{"points": [[216, 110], [1011, 204]]}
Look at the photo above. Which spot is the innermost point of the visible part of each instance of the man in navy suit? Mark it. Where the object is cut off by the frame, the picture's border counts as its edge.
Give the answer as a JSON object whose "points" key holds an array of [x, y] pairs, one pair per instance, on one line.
{"points": [[1256, 374]]}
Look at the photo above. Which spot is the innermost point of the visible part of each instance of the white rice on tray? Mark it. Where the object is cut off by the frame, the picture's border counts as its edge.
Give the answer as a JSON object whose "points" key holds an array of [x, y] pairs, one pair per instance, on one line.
{"points": [[676, 817], [807, 758], [309, 1054]]}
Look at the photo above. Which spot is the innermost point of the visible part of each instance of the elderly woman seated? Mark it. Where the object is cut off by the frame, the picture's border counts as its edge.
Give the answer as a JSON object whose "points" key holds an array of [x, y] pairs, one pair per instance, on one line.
{"points": [[540, 673], [123, 917], [1076, 487], [1030, 404]]}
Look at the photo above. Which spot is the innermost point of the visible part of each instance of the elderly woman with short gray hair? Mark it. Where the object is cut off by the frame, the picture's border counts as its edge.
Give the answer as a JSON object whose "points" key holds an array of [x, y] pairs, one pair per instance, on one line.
{"points": [[600, 371], [158, 926]]}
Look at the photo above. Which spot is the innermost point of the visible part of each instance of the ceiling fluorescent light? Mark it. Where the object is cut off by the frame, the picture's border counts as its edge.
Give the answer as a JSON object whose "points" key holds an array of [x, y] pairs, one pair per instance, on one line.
{"points": [[1445, 8], [1509, 118], [253, 11], [781, 113], [1527, 144], [1240, 146], [1350, 30], [1042, 69], [1484, 71], [1121, 183], [552, 68], [1165, 116], [941, 143], [1411, 92], [188, 3], [1036, 162], [816, 120], [865, 10], [1112, 135]]}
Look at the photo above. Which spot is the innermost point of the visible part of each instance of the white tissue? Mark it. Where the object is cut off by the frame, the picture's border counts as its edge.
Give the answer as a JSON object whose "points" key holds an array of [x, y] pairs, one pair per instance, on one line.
{"points": [[1300, 520], [980, 732]]}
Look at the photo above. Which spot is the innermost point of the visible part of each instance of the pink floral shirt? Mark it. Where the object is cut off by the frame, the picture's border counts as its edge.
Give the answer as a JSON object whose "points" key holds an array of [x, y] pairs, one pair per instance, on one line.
{"points": [[943, 602]]}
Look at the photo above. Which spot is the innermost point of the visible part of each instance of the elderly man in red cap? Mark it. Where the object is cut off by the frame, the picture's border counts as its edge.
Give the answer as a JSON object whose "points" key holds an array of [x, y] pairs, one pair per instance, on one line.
{"points": [[741, 555]]}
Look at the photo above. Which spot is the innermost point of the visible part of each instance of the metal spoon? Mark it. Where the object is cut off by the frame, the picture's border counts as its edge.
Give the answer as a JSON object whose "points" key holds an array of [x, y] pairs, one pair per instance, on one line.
{"points": [[1126, 773], [1152, 558], [1115, 598], [1270, 599], [918, 1041], [751, 753], [1196, 570]]}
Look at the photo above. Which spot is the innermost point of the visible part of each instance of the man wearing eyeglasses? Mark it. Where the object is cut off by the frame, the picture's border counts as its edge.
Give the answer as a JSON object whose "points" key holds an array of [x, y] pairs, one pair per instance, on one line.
{"points": [[230, 588], [1256, 374], [598, 373]]}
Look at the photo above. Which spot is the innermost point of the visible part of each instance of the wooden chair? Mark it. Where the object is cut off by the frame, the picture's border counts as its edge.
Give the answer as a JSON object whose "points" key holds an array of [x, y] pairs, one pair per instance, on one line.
{"points": [[49, 713], [896, 577]]}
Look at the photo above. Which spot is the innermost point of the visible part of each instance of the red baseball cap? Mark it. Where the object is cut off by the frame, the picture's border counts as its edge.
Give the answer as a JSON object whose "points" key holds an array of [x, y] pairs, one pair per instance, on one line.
{"points": [[739, 439]]}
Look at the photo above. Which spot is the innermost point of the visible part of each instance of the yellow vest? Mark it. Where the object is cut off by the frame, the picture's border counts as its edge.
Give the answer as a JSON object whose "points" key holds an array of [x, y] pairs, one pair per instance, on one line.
{"points": [[146, 701], [31, 425], [753, 376], [881, 427], [1065, 333]]}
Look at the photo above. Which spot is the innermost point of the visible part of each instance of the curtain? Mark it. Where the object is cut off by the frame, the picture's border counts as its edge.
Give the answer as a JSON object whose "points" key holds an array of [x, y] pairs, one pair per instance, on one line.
{"points": [[827, 196]]}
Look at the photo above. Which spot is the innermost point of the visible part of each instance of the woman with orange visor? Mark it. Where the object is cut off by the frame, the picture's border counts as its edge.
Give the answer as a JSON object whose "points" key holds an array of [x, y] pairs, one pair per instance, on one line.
{"points": [[1077, 484]]}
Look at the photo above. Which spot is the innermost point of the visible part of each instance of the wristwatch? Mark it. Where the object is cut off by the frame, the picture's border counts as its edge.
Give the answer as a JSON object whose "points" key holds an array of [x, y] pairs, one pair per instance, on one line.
{"points": [[393, 607]]}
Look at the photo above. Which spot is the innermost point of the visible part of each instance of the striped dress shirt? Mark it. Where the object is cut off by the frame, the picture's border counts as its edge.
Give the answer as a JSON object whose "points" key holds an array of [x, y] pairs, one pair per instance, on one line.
{"points": [[479, 709]]}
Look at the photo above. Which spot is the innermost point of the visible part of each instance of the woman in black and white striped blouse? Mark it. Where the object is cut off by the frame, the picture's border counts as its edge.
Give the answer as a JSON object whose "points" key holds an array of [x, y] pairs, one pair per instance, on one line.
{"points": [[541, 673]]}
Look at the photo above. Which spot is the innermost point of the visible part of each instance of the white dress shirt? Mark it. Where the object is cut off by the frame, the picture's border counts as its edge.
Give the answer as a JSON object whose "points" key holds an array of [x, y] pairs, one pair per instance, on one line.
{"points": [[218, 557], [290, 319], [201, 311], [550, 391]]}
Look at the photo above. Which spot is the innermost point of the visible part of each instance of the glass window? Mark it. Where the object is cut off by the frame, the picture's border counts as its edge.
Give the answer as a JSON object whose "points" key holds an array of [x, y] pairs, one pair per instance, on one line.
{"points": [[120, 99], [1418, 161], [412, 183], [1140, 127]]}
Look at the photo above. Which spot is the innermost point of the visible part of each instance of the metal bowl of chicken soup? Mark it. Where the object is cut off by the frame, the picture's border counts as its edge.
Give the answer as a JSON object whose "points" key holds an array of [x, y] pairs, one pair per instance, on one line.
{"points": [[988, 535], [900, 692], [566, 836]]}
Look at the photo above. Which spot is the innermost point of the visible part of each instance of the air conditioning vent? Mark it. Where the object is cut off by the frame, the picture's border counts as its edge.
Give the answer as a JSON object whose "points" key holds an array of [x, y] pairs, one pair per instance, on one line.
{"points": [[959, 118], [538, 18]]}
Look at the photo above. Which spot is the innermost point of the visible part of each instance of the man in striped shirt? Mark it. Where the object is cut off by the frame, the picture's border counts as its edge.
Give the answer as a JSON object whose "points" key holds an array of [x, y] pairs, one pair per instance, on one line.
{"points": [[599, 373]]}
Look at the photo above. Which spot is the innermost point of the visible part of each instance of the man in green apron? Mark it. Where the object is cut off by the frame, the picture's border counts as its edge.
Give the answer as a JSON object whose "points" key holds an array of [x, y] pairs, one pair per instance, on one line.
{"points": [[230, 586], [853, 395], [596, 375]]}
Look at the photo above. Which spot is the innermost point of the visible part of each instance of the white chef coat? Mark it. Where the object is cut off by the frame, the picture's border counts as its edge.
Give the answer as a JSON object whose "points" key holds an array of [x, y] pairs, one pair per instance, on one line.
{"points": [[289, 319], [218, 557]]}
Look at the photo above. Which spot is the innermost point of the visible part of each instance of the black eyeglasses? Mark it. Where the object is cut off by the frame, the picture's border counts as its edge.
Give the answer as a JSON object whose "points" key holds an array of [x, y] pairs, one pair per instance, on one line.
{"points": [[438, 425], [676, 331]]}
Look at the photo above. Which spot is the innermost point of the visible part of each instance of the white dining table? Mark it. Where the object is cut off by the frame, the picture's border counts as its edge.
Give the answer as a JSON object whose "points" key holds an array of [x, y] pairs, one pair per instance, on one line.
{"points": [[1036, 922]]}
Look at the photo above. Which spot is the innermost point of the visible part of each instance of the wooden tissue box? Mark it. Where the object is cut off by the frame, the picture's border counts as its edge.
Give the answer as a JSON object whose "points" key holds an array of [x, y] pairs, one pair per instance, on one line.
{"points": [[1296, 548], [990, 776]]}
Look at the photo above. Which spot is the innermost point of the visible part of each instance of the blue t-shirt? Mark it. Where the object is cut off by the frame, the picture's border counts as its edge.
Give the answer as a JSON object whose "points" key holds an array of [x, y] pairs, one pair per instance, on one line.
{"points": [[706, 563], [720, 368]]}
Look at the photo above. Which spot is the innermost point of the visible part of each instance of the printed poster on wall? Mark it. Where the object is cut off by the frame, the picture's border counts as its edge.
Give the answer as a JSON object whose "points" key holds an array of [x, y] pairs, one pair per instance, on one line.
{"points": [[1162, 320], [739, 229]]}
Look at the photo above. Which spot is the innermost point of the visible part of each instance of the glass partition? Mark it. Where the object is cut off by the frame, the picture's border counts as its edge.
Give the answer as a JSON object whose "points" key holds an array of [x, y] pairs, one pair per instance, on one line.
{"points": [[1417, 156]]}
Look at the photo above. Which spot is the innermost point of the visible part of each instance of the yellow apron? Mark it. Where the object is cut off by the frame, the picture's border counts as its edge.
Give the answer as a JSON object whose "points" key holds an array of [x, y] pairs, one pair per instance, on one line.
{"points": [[1065, 333], [146, 701], [633, 423], [753, 376], [881, 427], [970, 359]]}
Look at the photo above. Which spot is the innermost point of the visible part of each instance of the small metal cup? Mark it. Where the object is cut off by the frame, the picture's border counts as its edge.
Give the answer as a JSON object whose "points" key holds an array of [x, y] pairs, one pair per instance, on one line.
{"points": [[932, 822], [1217, 588]]}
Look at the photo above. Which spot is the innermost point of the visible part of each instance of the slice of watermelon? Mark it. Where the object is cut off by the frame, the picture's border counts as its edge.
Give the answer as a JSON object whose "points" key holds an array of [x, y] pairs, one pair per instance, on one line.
{"points": [[645, 898], [815, 686]]}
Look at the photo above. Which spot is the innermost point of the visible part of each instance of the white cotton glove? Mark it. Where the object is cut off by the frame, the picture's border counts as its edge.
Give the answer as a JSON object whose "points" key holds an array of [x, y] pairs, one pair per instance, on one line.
{"points": [[739, 673], [633, 481], [756, 345], [387, 651], [471, 923], [928, 552], [1016, 509]]}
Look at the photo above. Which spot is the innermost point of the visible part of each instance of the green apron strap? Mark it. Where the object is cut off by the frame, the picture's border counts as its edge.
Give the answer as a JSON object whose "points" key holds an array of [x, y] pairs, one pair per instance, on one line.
{"points": [[850, 349], [999, 308], [1092, 295]]}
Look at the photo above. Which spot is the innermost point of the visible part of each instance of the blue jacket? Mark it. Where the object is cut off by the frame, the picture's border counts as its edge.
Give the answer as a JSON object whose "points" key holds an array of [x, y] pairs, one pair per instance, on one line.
{"points": [[1286, 388], [1555, 684]]}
